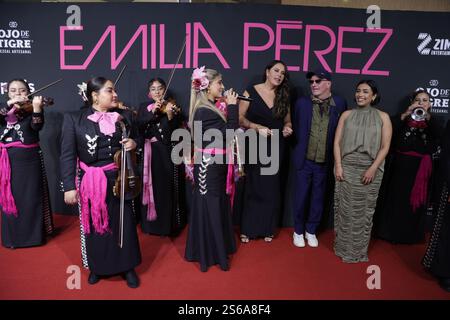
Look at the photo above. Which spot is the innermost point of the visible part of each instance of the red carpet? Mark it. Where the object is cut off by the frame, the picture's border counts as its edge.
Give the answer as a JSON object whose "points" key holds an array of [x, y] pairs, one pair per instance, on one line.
{"points": [[259, 270]]}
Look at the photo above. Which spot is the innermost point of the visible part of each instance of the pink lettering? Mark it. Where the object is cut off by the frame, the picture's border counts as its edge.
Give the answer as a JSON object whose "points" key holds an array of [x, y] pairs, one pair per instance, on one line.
{"points": [[248, 48], [115, 61], [162, 63], [388, 34], [341, 50], [319, 53], [188, 46], [292, 25], [212, 49], [63, 48], [153, 48]]}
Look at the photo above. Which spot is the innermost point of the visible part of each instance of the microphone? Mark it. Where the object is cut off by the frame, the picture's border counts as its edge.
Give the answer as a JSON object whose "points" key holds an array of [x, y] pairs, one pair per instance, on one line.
{"points": [[240, 97]]}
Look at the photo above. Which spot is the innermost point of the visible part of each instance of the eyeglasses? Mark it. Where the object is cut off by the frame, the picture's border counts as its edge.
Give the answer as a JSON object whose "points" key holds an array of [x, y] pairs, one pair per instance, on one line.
{"points": [[153, 89], [318, 81]]}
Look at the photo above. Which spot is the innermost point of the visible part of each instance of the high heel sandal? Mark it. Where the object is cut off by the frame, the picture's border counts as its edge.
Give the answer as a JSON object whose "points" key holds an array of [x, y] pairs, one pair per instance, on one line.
{"points": [[244, 238]]}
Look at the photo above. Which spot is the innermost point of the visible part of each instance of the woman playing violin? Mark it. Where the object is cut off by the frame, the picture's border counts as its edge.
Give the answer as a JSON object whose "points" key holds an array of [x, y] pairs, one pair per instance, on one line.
{"points": [[93, 135], [162, 211], [24, 198]]}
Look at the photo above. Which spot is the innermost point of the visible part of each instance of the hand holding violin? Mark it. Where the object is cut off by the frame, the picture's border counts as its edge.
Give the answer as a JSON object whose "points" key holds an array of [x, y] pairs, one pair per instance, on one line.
{"points": [[38, 102], [129, 144], [17, 101], [157, 107], [171, 109]]}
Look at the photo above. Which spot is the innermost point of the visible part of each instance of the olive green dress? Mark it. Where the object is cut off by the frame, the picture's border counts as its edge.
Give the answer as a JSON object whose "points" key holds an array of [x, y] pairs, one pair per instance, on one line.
{"points": [[355, 202]]}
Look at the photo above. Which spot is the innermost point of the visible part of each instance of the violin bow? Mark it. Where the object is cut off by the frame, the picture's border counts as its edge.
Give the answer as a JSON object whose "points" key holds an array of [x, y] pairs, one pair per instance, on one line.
{"points": [[44, 87], [123, 165], [174, 67], [120, 75]]}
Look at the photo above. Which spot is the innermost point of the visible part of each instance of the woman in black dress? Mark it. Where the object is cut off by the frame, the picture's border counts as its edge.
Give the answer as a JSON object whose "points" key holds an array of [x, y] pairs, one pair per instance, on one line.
{"points": [[93, 135], [210, 237], [437, 256], [269, 115], [162, 206], [24, 198], [400, 215]]}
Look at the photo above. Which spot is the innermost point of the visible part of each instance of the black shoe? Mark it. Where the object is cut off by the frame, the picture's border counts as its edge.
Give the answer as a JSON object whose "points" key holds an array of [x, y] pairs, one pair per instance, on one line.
{"points": [[93, 278], [132, 279]]}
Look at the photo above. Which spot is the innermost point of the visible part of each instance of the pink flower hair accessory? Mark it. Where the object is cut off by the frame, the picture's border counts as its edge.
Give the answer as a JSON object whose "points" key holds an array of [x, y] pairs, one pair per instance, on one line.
{"points": [[199, 79]]}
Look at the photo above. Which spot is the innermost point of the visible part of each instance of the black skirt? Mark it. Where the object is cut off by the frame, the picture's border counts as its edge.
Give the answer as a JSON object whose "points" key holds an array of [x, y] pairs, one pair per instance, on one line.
{"points": [[101, 253], [167, 180], [30, 191], [394, 219], [210, 237]]}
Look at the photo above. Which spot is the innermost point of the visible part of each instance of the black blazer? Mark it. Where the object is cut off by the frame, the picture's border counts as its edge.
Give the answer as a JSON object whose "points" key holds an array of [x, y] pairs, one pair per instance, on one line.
{"points": [[78, 141]]}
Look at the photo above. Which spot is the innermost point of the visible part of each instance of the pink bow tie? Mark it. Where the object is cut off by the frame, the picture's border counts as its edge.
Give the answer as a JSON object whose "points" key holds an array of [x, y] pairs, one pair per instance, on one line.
{"points": [[11, 117], [106, 121]]}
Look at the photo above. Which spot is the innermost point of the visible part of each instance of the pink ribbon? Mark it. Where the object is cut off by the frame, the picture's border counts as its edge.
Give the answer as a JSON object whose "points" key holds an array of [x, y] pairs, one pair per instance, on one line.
{"points": [[419, 191], [147, 192], [230, 187], [93, 189], [150, 107], [106, 120], [11, 117], [6, 198]]}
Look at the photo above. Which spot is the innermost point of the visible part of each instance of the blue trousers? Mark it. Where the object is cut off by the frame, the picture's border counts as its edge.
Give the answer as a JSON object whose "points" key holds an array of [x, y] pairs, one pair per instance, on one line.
{"points": [[310, 183]]}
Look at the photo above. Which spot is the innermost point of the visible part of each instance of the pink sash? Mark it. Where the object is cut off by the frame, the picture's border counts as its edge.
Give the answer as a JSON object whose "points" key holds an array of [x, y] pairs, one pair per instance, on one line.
{"points": [[147, 192], [93, 189], [418, 195]]}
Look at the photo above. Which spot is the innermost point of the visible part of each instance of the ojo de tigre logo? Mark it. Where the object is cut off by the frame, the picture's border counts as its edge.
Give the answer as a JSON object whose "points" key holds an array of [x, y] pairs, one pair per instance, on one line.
{"points": [[434, 47], [13, 40], [440, 96]]}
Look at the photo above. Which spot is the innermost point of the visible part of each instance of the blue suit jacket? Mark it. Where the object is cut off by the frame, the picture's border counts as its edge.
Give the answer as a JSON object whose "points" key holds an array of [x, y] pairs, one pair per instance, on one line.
{"points": [[302, 117]]}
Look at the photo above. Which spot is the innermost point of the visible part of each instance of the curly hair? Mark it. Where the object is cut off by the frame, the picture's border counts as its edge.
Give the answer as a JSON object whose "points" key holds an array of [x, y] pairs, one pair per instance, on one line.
{"points": [[282, 92]]}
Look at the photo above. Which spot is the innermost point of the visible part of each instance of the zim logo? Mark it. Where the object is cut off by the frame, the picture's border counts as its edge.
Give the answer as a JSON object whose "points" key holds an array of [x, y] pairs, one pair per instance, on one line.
{"points": [[439, 46]]}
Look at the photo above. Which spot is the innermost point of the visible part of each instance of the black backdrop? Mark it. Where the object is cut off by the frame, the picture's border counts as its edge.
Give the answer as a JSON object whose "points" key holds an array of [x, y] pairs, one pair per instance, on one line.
{"points": [[411, 50]]}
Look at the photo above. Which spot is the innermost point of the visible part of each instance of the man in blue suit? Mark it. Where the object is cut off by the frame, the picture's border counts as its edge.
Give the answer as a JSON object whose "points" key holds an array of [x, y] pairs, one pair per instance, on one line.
{"points": [[315, 121]]}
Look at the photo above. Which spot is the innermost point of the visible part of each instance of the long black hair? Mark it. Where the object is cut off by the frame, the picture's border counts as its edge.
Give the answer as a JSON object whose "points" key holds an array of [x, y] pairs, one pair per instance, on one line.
{"points": [[281, 103], [94, 85]]}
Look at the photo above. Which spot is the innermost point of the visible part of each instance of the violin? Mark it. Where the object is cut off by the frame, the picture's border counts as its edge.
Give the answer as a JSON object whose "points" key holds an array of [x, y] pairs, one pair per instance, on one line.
{"points": [[26, 107], [127, 184], [163, 109], [124, 107]]}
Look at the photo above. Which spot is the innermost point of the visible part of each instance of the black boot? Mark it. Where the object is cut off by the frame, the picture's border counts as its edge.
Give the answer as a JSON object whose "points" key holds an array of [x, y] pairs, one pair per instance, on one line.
{"points": [[132, 278], [93, 278]]}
